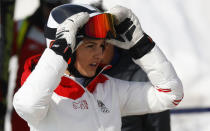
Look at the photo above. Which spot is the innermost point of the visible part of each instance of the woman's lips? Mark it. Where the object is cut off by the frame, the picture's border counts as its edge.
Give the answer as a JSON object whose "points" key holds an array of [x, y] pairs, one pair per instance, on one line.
{"points": [[94, 65]]}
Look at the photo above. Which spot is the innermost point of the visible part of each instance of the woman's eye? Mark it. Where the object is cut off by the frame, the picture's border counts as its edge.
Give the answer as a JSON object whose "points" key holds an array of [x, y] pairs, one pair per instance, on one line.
{"points": [[90, 46]]}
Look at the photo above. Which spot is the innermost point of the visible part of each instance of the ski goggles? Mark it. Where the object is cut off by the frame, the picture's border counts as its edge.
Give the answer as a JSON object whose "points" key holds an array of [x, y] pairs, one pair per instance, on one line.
{"points": [[100, 26]]}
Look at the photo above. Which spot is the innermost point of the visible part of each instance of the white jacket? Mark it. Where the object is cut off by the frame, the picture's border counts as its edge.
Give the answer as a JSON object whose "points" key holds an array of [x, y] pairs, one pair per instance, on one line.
{"points": [[49, 106]]}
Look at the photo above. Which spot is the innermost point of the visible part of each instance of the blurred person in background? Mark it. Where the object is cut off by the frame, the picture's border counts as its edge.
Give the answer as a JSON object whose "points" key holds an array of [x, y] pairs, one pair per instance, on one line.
{"points": [[124, 68], [6, 35], [28, 40]]}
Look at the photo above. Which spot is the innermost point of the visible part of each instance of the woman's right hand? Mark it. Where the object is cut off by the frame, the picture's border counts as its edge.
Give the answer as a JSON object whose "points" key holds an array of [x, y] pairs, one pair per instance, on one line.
{"points": [[65, 42], [68, 29]]}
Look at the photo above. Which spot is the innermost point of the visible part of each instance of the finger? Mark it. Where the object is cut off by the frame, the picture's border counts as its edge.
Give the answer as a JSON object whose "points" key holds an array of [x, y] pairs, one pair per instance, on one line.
{"points": [[120, 13], [123, 26], [79, 19], [73, 24]]}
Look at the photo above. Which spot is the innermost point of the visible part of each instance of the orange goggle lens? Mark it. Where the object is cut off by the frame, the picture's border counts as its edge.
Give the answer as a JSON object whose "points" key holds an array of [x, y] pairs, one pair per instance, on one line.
{"points": [[101, 26]]}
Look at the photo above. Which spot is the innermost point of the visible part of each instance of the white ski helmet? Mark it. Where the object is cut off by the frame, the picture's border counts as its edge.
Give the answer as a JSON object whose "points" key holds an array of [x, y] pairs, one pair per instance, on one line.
{"points": [[62, 12]]}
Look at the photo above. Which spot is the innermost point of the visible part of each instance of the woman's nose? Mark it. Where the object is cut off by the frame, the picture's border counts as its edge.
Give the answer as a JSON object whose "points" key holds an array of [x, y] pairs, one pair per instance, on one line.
{"points": [[98, 53]]}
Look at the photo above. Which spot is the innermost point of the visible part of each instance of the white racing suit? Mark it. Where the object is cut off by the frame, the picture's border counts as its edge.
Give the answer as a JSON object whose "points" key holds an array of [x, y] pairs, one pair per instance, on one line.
{"points": [[51, 101]]}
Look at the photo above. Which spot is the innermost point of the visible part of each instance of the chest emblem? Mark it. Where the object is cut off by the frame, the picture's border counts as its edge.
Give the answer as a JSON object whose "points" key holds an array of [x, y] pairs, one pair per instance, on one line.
{"points": [[103, 108], [82, 104]]}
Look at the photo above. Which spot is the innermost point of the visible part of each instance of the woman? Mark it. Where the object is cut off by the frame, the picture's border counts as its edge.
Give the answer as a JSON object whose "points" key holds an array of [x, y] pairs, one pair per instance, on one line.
{"points": [[67, 91]]}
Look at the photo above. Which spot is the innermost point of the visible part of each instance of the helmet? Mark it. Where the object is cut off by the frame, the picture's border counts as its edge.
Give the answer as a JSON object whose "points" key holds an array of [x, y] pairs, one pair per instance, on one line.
{"points": [[60, 13]]}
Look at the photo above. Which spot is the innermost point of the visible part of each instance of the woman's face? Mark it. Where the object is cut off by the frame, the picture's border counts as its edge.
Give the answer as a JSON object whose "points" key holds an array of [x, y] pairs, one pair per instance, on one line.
{"points": [[88, 56]]}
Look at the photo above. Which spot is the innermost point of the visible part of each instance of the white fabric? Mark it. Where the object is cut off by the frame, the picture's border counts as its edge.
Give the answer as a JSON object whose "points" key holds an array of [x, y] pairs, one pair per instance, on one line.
{"points": [[44, 110]]}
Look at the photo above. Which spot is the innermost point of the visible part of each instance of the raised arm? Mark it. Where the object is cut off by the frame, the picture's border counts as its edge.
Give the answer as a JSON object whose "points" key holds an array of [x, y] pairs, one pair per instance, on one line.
{"points": [[32, 100], [164, 91]]}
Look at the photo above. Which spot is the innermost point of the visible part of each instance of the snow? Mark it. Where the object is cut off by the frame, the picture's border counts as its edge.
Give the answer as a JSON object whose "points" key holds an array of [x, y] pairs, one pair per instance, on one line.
{"points": [[190, 122], [181, 29]]}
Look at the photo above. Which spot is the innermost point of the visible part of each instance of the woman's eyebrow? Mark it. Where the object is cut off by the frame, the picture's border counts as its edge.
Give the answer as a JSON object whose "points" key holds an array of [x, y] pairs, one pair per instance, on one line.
{"points": [[90, 42]]}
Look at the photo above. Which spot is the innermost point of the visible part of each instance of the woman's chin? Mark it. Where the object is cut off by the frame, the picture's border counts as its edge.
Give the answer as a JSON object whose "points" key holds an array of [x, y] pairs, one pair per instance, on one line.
{"points": [[89, 74]]}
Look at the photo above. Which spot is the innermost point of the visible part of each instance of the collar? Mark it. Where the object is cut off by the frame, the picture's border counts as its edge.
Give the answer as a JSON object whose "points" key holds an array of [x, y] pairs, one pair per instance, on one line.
{"points": [[69, 88]]}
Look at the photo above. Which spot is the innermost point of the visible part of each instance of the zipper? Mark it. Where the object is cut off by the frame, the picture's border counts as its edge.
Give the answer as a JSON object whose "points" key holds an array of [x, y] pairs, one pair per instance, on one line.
{"points": [[105, 67], [93, 101]]}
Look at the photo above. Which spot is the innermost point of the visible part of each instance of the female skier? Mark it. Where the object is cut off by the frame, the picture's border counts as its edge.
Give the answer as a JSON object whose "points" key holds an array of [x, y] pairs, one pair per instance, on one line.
{"points": [[68, 91]]}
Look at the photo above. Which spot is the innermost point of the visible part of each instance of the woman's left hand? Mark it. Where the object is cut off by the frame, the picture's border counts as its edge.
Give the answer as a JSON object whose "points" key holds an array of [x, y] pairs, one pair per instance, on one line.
{"points": [[128, 28], [130, 35]]}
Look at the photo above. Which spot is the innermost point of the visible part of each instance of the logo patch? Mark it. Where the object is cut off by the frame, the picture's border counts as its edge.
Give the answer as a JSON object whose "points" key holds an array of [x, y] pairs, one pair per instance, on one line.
{"points": [[82, 104], [101, 105]]}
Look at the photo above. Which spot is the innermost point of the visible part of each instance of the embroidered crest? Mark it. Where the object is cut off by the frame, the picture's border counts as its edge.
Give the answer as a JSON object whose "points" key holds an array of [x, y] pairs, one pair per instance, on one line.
{"points": [[101, 105], [82, 104]]}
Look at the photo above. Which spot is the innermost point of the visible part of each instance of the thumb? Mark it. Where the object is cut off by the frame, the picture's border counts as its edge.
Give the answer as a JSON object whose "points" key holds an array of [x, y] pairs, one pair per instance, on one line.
{"points": [[112, 41], [117, 43]]}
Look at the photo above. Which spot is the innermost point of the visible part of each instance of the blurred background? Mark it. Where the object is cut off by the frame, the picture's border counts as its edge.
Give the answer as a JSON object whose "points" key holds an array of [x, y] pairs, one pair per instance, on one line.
{"points": [[180, 28]]}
